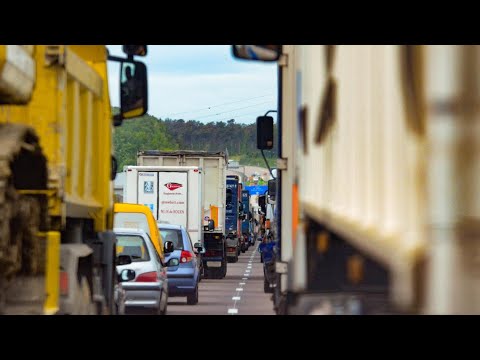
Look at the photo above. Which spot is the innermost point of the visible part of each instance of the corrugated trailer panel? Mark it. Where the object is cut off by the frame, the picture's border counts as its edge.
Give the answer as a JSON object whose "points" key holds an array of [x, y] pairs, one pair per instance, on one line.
{"points": [[365, 179]]}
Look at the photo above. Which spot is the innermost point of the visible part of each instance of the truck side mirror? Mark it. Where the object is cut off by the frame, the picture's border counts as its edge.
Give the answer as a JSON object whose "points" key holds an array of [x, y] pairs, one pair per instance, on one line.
{"points": [[211, 225], [264, 132], [135, 50], [133, 89], [257, 52]]}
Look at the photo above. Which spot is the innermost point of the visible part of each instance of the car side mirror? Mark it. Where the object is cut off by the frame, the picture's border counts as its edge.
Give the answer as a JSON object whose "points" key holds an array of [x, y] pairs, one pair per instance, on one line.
{"points": [[123, 260], [173, 262], [200, 249], [126, 275], [168, 247]]}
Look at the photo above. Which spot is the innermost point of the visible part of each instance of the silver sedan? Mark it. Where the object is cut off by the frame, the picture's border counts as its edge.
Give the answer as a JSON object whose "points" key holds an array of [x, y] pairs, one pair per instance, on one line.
{"points": [[147, 291]]}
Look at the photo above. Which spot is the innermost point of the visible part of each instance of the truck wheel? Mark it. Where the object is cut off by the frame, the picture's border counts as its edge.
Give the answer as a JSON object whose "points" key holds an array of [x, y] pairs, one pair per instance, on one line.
{"points": [[193, 298]]}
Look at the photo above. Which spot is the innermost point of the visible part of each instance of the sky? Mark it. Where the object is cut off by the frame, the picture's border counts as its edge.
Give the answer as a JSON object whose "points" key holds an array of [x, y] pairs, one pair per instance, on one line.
{"points": [[202, 82]]}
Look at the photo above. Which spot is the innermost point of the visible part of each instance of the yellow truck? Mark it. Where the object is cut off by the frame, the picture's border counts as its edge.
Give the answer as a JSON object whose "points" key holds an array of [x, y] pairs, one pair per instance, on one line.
{"points": [[57, 248]]}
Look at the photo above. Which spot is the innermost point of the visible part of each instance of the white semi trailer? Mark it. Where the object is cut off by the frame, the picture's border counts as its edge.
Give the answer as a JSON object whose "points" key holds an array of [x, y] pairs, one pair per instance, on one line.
{"points": [[379, 178], [173, 194]]}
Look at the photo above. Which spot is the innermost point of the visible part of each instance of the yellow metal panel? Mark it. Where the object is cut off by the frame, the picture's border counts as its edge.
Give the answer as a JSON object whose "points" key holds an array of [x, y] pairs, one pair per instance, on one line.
{"points": [[91, 53], [52, 272], [83, 73], [214, 214]]}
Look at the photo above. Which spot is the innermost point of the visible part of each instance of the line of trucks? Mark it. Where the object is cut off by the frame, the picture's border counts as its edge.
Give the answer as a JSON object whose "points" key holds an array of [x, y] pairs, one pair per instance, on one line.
{"points": [[57, 166], [377, 200], [192, 188]]}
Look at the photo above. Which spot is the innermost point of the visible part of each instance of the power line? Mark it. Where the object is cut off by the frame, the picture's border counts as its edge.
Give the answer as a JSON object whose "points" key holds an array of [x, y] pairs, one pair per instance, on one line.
{"points": [[223, 112], [210, 107]]}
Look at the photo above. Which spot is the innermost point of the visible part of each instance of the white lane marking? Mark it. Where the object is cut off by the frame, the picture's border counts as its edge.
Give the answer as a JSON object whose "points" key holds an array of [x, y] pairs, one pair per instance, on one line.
{"points": [[236, 298], [244, 278], [247, 271], [242, 283], [249, 266], [233, 311], [238, 289]]}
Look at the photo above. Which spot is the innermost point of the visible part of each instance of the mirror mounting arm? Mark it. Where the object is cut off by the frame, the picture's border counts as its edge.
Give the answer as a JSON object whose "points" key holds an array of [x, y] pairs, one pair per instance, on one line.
{"points": [[118, 58]]}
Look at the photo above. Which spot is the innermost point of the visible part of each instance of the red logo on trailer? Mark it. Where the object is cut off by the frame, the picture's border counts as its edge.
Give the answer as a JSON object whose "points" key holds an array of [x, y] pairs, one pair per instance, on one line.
{"points": [[173, 186]]}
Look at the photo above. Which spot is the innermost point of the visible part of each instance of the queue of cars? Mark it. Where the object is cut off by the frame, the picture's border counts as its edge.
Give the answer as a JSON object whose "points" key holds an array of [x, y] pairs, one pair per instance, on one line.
{"points": [[155, 261]]}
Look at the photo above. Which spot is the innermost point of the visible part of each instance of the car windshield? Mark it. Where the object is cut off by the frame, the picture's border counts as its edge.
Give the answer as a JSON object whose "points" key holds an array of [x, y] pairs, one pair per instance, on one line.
{"points": [[175, 236], [134, 246]]}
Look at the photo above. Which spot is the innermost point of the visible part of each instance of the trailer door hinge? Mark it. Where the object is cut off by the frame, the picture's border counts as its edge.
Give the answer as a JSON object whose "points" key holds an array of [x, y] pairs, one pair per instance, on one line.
{"points": [[282, 164]]}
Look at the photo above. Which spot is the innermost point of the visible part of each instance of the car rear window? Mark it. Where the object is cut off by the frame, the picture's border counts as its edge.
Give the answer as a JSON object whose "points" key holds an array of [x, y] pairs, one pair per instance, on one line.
{"points": [[175, 236], [131, 221], [134, 246]]}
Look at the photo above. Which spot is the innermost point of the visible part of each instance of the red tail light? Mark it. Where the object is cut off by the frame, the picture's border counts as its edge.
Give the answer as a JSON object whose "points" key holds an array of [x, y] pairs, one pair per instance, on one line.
{"points": [[63, 283], [147, 277], [186, 256]]}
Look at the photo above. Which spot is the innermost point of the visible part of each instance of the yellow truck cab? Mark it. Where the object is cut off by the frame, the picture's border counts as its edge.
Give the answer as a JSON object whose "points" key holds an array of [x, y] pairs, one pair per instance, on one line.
{"points": [[139, 217]]}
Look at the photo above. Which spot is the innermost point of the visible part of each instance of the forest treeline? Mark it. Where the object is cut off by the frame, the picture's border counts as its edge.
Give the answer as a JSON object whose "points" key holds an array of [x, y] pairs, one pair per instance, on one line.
{"points": [[151, 133]]}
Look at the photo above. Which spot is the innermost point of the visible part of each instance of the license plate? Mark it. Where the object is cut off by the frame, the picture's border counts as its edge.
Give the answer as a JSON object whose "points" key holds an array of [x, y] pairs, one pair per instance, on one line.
{"points": [[214, 263]]}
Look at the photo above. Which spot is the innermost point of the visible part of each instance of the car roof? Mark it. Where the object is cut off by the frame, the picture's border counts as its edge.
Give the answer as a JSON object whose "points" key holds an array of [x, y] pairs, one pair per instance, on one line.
{"points": [[170, 226], [127, 207]]}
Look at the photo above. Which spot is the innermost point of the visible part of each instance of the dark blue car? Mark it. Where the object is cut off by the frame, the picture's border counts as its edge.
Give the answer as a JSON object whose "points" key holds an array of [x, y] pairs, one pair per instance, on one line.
{"points": [[182, 279]]}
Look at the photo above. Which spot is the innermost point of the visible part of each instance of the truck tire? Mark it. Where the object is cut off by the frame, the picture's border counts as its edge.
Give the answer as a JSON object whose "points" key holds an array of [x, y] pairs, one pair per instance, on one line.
{"points": [[192, 299]]}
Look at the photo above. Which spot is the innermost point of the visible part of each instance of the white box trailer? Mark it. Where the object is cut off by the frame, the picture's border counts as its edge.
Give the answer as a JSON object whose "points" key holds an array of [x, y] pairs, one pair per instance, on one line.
{"points": [[212, 166], [173, 194], [380, 176]]}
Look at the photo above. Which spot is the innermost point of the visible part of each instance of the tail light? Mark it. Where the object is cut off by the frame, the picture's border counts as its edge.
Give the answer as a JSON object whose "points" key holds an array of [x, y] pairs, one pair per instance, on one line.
{"points": [[186, 256], [147, 277], [232, 248], [63, 283]]}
